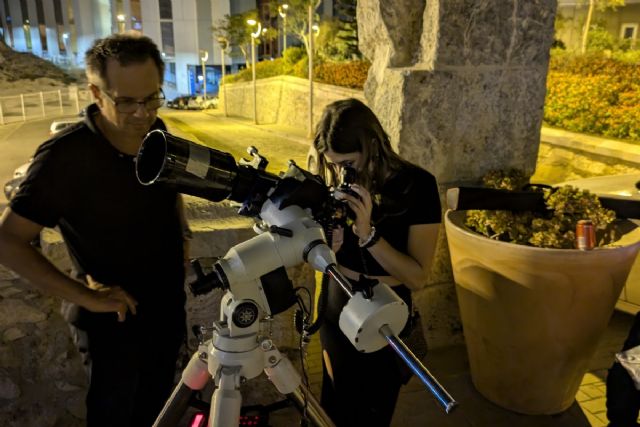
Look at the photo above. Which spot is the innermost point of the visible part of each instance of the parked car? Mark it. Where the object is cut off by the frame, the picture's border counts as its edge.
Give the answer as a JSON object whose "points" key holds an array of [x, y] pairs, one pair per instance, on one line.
{"points": [[59, 125], [11, 187], [179, 103], [210, 102], [199, 102], [628, 187]]}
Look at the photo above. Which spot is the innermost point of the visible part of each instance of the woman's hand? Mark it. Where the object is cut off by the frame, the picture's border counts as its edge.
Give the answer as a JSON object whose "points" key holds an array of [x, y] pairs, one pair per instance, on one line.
{"points": [[108, 299], [362, 207]]}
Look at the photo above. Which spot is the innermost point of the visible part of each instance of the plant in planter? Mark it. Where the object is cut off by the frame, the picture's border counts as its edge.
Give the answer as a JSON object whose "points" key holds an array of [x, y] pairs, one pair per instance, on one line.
{"points": [[533, 308], [552, 229]]}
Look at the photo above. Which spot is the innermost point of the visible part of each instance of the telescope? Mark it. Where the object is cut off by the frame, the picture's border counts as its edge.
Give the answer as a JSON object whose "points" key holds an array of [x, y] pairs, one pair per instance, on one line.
{"points": [[292, 211]]}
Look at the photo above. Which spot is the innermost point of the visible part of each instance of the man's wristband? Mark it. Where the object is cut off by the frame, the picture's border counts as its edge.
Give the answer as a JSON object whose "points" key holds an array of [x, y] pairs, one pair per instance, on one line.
{"points": [[370, 240]]}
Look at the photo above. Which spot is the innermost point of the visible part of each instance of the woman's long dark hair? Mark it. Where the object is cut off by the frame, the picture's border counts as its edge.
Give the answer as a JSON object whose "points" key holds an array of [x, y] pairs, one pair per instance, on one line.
{"points": [[349, 126]]}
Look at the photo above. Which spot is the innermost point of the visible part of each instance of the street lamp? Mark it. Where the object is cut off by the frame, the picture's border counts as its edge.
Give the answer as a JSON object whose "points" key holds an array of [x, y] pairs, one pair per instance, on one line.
{"points": [[223, 42], [282, 10], [204, 55], [313, 28], [254, 36], [120, 18]]}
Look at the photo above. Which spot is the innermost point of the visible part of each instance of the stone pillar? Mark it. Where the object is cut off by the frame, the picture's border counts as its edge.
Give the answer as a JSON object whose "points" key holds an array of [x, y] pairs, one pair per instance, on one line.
{"points": [[459, 86]]}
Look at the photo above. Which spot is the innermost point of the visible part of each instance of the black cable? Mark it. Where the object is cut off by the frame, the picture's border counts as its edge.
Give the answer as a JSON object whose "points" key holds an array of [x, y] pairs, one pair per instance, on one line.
{"points": [[322, 304]]}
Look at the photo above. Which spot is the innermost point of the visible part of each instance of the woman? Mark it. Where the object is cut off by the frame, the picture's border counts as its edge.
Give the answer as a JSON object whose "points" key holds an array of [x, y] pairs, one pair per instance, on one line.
{"points": [[392, 238]]}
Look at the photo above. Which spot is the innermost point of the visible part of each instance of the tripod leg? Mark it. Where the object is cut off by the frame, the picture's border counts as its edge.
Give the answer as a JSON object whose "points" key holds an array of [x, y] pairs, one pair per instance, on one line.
{"points": [[227, 400], [305, 401], [194, 377], [287, 380]]}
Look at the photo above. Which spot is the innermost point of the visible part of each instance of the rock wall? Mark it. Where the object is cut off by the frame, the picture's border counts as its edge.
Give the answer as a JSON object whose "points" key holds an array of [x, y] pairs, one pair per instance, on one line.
{"points": [[283, 100], [459, 87]]}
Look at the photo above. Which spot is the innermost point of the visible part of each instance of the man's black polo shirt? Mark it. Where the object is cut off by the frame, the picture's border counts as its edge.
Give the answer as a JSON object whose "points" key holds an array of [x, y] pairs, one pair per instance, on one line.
{"points": [[117, 230]]}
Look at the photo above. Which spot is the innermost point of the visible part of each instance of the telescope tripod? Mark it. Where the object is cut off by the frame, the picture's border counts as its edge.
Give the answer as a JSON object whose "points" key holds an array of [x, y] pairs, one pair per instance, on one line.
{"points": [[235, 354]]}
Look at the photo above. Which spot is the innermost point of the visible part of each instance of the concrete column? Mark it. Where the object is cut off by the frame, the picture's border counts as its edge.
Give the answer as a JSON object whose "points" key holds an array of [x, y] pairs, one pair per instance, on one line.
{"points": [[459, 87]]}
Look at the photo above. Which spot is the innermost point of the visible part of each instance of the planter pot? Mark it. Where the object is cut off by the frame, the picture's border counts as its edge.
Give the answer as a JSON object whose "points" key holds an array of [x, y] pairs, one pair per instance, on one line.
{"points": [[532, 317]]}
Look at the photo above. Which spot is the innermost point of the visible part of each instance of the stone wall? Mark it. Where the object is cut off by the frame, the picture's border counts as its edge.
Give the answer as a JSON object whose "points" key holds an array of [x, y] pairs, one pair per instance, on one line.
{"points": [[565, 156], [283, 100]]}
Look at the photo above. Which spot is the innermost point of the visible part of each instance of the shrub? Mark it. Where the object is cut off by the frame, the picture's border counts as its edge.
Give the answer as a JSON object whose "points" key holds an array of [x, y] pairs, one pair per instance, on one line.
{"points": [[351, 74], [301, 69], [294, 54], [594, 94]]}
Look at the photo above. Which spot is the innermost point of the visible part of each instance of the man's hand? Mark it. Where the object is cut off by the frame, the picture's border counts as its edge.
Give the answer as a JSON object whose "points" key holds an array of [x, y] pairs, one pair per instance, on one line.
{"points": [[110, 299]]}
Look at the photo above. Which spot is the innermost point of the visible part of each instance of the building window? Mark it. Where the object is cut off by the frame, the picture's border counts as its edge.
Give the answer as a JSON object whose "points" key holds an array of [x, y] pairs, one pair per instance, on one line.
{"points": [[136, 15], [170, 74], [629, 31], [165, 9], [57, 9], [26, 24], [166, 28], [166, 31], [9, 22], [42, 26], [73, 37]]}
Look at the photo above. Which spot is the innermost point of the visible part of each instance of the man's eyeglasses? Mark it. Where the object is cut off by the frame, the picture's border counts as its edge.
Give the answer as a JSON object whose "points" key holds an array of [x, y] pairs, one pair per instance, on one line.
{"points": [[130, 105]]}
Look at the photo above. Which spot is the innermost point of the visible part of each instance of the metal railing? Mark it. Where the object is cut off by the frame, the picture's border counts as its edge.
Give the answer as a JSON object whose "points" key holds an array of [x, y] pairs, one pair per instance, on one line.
{"points": [[37, 105]]}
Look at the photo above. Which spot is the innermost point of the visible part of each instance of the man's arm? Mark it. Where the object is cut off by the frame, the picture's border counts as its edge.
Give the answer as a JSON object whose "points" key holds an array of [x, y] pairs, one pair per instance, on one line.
{"points": [[17, 253]]}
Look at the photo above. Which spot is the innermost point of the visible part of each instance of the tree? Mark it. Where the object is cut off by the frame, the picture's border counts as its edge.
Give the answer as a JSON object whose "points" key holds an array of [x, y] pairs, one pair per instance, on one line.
{"points": [[234, 28], [298, 17], [600, 5], [347, 36]]}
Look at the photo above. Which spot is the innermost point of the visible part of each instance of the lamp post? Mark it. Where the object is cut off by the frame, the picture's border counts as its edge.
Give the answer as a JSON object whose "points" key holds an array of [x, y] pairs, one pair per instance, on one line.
{"points": [[120, 18], [313, 29], [254, 36], [204, 55], [282, 10], [223, 42]]}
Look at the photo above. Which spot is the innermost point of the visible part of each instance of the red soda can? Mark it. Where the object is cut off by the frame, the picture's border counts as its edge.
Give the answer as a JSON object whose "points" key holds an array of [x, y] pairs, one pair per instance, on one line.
{"points": [[585, 235]]}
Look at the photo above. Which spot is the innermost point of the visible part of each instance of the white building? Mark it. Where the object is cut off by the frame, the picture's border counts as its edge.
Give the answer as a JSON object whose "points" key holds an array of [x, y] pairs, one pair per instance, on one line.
{"points": [[62, 30]]}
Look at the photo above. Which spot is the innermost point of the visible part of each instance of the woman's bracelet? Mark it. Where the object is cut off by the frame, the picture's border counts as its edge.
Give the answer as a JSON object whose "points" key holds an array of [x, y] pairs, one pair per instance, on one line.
{"points": [[370, 240]]}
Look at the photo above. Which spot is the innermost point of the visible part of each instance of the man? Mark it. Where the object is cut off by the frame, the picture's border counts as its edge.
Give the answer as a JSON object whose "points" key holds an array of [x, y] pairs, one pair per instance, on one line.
{"points": [[126, 239]]}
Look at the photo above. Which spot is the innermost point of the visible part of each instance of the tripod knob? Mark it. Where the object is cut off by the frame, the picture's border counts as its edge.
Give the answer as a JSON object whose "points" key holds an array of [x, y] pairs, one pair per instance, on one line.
{"points": [[204, 283]]}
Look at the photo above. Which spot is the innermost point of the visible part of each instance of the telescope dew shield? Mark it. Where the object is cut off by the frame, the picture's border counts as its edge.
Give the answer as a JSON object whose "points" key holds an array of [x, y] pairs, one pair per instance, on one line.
{"points": [[189, 167]]}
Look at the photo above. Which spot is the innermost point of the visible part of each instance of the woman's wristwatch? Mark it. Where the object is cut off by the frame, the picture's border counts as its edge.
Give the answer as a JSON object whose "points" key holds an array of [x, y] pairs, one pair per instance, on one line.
{"points": [[370, 240]]}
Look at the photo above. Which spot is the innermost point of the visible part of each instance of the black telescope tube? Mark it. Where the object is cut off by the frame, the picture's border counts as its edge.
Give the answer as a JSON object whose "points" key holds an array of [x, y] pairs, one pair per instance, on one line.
{"points": [[189, 167]]}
